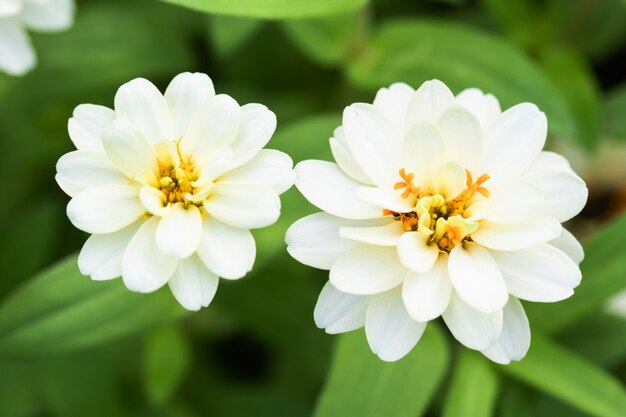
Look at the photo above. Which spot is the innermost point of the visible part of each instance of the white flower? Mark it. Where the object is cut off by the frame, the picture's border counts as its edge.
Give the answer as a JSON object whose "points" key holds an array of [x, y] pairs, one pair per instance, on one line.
{"points": [[168, 186], [16, 17], [439, 206]]}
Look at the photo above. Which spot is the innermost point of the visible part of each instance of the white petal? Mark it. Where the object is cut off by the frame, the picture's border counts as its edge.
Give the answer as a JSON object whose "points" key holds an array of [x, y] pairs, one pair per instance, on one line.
{"points": [[142, 105], [48, 15], [144, 268], [384, 198], [542, 273], [415, 252], [10, 8], [462, 137], [179, 232], [476, 278], [426, 296], [370, 139], [214, 127], [192, 284], [385, 235], [565, 193], [514, 340], [314, 240], [105, 209], [338, 312], [225, 250], [530, 232], [485, 107], [514, 141], [79, 170], [472, 328], [128, 149], [186, 94], [154, 201], [325, 186], [391, 332], [513, 202], [258, 124], [269, 167], [101, 255], [394, 101], [214, 165], [450, 180], [429, 102], [423, 152], [345, 160], [243, 204], [86, 126], [17, 56], [567, 243], [367, 269]]}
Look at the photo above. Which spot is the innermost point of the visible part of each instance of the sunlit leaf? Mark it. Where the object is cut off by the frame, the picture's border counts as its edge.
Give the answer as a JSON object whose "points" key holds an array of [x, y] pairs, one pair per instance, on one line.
{"points": [[360, 384], [229, 33]]}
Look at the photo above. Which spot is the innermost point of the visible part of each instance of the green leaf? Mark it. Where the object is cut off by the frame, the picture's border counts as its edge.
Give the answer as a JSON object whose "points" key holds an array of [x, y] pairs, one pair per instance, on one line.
{"points": [[272, 9], [570, 378], [166, 360], [614, 123], [415, 51], [603, 276], [61, 310], [572, 75], [229, 33], [360, 384], [474, 388]]}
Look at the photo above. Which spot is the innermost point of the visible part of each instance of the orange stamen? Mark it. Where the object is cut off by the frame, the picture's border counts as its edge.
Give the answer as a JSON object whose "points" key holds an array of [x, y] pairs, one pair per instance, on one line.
{"points": [[411, 189]]}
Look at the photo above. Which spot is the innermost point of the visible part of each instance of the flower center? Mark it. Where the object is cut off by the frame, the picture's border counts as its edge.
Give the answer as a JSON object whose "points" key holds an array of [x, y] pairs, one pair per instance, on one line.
{"points": [[443, 220], [176, 173]]}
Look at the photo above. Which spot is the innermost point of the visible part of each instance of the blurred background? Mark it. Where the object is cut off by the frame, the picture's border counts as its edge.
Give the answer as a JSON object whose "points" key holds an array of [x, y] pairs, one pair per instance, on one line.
{"points": [[71, 347]]}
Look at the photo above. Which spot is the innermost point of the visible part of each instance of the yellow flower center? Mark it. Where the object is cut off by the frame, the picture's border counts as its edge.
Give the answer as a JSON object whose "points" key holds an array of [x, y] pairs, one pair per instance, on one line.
{"points": [[176, 173], [443, 220]]}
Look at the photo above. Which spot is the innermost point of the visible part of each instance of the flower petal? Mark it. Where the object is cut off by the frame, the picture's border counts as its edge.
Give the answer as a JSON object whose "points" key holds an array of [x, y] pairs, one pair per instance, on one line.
{"points": [[384, 235], [345, 159], [423, 152], [154, 201], [243, 204], [192, 284], [314, 240], [476, 278], [144, 268], [17, 56], [367, 269], [128, 149], [450, 180], [429, 102], [142, 105], [394, 102], [327, 187], [87, 125], [415, 253], [186, 94], [426, 296], [180, 231], [79, 170], [49, 15], [474, 329], [513, 202], [226, 250], [514, 340], [514, 141], [384, 198], [567, 243], [485, 107], [530, 232], [101, 255], [462, 137], [391, 332], [258, 124], [565, 193], [105, 209], [542, 273], [339, 312], [269, 167]]}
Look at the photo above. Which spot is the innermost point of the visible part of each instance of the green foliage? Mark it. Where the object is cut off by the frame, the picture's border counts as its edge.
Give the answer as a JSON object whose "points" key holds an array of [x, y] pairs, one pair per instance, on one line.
{"points": [[376, 388], [614, 109], [272, 9]]}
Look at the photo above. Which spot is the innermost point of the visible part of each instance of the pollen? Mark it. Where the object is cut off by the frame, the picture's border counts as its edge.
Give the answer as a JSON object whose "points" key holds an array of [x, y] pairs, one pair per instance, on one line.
{"points": [[176, 173], [434, 216]]}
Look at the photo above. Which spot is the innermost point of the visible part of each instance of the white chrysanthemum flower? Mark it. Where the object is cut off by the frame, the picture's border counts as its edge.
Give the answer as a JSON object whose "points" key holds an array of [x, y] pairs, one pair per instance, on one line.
{"points": [[17, 17], [168, 186], [439, 206]]}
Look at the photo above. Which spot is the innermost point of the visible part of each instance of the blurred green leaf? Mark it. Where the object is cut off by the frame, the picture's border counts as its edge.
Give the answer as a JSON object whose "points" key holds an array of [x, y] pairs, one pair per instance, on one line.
{"points": [[572, 75], [272, 9], [474, 387], [614, 123], [415, 51], [61, 310], [166, 359], [360, 384], [514, 400], [21, 399], [229, 33], [570, 378], [603, 275], [330, 40]]}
